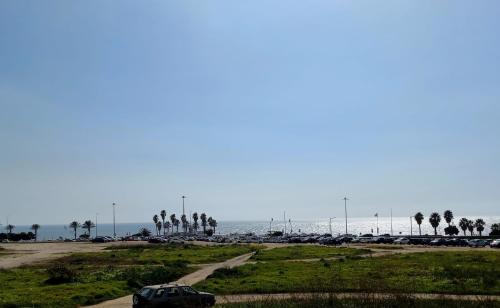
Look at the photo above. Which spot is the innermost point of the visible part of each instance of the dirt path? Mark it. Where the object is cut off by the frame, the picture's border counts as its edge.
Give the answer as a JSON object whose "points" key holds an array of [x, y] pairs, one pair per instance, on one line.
{"points": [[243, 298], [189, 279]]}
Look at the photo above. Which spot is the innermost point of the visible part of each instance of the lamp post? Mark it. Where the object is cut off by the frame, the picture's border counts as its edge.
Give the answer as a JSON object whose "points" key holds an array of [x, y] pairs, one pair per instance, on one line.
{"points": [[270, 226], [114, 221], [411, 226], [376, 215], [96, 224], [183, 197], [345, 209], [331, 225]]}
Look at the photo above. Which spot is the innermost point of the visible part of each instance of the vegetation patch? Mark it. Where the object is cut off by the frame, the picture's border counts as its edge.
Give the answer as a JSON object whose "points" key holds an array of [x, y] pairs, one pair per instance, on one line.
{"points": [[300, 252], [466, 272], [89, 278], [364, 300]]}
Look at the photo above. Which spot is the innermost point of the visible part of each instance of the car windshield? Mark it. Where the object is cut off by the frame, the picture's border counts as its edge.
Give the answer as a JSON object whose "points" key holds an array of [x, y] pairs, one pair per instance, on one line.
{"points": [[189, 291], [146, 292]]}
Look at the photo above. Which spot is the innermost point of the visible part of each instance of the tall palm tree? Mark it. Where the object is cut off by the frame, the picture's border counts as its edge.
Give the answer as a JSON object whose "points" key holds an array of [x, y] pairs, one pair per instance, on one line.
{"points": [[203, 218], [184, 222], [448, 216], [480, 225], [74, 225], [163, 215], [470, 226], [173, 219], [435, 219], [159, 224], [212, 223], [176, 224], [166, 226], [195, 224], [88, 224], [35, 228], [419, 217], [156, 219], [462, 223]]}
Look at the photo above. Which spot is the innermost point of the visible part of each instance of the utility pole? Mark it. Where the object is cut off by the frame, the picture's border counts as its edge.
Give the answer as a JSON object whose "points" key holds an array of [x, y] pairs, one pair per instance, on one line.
{"points": [[183, 197], [114, 221], [284, 222], [391, 221], [331, 225], [345, 209]]}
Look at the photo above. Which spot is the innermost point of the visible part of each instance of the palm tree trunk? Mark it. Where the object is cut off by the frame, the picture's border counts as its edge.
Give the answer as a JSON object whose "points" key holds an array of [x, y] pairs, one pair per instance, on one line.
{"points": [[75, 233], [435, 231], [419, 230]]}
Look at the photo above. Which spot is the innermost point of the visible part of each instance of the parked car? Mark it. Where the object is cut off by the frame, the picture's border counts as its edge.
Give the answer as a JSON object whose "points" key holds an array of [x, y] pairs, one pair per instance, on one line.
{"points": [[171, 295], [157, 240], [477, 243], [438, 242], [402, 240], [495, 244]]}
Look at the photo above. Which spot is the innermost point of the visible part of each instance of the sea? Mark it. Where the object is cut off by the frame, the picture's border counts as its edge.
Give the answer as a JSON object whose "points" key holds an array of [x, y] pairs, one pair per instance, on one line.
{"points": [[355, 225]]}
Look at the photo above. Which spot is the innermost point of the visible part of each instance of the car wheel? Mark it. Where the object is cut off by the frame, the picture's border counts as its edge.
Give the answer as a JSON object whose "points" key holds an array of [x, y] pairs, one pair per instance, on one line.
{"points": [[135, 300]]}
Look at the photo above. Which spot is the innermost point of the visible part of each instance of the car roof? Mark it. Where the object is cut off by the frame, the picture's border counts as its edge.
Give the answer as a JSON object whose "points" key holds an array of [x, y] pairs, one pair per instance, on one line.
{"points": [[166, 285]]}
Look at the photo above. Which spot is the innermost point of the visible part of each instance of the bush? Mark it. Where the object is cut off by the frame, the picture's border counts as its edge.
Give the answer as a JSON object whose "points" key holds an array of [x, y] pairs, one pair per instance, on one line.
{"points": [[150, 275], [60, 273]]}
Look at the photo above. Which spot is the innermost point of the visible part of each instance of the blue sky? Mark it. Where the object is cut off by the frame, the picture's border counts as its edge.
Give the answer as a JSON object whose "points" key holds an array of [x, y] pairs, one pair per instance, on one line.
{"points": [[248, 108]]}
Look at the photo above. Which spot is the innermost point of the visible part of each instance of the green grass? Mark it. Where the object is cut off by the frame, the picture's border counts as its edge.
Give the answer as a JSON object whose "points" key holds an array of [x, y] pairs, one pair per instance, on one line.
{"points": [[299, 252], [106, 275], [396, 301], [385, 247], [162, 254], [467, 272]]}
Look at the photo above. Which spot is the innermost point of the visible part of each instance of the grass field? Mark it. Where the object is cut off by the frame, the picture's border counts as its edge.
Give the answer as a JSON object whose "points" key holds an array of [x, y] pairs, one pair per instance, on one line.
{"points": [[299, 252], [396, 301], [466, 272], [88, 278]]}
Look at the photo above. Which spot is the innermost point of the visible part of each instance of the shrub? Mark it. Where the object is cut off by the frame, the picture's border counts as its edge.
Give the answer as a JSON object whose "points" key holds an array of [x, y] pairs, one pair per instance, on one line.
{"points": [[60, 273]]}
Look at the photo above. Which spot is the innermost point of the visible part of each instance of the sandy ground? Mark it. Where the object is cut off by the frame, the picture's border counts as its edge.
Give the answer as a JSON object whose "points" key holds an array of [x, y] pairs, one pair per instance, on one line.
{"points": [[18, 254], [189, 279]]}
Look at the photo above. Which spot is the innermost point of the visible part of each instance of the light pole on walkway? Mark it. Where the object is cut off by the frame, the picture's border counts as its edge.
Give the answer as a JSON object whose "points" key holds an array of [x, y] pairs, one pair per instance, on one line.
{"points": [[345, 209]]}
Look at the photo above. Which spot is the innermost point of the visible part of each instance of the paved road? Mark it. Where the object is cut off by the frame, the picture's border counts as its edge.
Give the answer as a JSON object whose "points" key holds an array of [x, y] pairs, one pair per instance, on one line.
{"points": [[189, 279]]}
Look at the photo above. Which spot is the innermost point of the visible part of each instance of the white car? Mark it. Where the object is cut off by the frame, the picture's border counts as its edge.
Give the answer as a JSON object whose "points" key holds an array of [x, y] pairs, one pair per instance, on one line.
{"points": [[402, 240]]}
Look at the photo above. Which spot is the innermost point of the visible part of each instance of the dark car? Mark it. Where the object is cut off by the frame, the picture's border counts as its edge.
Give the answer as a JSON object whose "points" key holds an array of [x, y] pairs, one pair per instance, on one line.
{"points": [[438, 242], [172, 295]]}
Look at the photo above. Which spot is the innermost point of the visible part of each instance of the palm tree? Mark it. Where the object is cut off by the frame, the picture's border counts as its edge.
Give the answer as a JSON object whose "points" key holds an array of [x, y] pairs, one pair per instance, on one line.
{"points": [[156, 219], [195, 224], [419, 217], [88, 224], [176, 224], [448, 216], [184, 222], [158, 227], [166, 226], [163, 214], [480, 225], [203, 218], [35, 228], [74, 225], [173, 219], [435, 219], [212, 223], [463, 224], [9, 228], [470, 226]]}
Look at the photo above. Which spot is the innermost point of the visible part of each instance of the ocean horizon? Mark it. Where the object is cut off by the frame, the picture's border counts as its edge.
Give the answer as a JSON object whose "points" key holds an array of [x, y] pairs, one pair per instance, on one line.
{"points": [[355, 225]]}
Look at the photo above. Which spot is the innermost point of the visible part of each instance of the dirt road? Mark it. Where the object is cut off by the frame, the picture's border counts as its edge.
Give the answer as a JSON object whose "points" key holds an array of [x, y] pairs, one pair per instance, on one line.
{"points": [[189, 279]]}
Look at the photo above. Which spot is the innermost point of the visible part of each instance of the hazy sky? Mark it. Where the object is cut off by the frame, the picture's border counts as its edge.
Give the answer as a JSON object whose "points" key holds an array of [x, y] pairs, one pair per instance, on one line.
{"points": [[248, 108]]}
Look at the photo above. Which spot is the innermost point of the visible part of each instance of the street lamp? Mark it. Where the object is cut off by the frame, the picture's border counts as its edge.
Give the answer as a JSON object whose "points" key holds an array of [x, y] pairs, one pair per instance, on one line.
{"points": [[183, 197], [376, 215], [331, 224], [270, 226], [114, 221], [345, 209], [96, 224]]}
